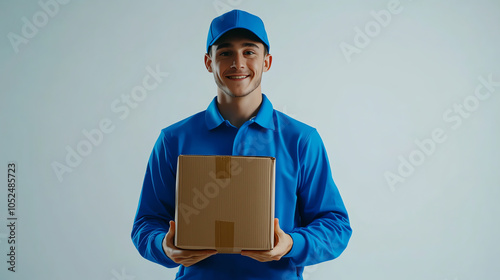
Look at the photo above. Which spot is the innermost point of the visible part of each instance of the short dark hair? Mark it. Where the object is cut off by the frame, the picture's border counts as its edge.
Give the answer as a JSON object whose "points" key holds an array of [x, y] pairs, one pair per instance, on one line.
{"points": [[240, 32]]}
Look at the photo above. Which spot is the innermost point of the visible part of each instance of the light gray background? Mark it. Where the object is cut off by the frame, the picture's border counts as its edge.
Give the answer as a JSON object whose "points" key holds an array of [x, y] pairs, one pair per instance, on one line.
{"points": [[440, 223]]}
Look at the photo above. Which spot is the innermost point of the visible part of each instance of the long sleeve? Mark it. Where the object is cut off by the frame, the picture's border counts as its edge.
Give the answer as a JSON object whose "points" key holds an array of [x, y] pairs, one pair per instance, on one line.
{"points": [[156, 206], [325, 229]]}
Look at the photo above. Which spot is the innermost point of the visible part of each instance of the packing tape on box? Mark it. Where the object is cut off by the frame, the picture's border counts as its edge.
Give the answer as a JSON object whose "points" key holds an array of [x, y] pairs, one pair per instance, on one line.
{"points": [[223, 167], [224, 235]]}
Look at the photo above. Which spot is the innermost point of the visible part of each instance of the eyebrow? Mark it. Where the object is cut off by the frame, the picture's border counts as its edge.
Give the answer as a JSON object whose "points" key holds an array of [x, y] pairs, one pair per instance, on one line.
{"points": [[228, 45]]}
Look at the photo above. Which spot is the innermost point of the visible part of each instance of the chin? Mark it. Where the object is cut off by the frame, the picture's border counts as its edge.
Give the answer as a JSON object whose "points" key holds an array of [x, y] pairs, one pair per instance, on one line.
{"points": [[239, 94]]}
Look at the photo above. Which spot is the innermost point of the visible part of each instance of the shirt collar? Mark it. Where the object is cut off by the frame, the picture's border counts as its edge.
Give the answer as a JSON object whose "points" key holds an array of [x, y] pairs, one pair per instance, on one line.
{"points": [[213, 118], [264, 117]]}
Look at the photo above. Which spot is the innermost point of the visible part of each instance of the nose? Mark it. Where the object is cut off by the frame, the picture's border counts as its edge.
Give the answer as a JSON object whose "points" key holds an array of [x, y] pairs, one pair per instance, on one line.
{"points": [[238, 61]]}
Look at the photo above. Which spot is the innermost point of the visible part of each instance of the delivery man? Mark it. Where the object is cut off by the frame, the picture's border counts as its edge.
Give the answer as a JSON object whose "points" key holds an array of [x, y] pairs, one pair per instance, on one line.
{"points": [[311, 224]]}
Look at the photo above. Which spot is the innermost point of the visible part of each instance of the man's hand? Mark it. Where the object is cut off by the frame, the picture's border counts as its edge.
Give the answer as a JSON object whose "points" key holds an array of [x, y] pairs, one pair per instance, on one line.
{"points": [[282, 245], [184, 257]]}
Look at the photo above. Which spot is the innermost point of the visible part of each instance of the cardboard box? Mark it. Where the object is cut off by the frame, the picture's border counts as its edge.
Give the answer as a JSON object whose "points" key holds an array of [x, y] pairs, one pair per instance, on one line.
{"points": [[225, 203]]}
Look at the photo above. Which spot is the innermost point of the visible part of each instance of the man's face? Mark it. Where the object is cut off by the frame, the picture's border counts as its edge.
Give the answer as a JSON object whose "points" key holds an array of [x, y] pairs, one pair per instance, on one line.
{"points": [[237, 64]]}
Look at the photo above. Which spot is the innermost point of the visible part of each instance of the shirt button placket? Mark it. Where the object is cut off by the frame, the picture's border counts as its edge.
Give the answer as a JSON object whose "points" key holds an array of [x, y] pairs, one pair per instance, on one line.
{"points": [[241, 138]]}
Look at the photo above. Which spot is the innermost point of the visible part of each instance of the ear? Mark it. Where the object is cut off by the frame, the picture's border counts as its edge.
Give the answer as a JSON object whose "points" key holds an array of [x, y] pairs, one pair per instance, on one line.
{"points": [[208, 62], [267, 62]]}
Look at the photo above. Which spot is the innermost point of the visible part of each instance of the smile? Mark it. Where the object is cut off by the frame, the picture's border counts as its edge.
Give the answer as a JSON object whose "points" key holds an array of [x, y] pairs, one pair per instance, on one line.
{"points": [[236, 77]]}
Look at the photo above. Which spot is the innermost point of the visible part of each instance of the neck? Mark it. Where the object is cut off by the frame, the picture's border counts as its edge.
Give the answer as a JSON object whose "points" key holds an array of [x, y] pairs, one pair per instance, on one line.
{"points": [[238, 110]]}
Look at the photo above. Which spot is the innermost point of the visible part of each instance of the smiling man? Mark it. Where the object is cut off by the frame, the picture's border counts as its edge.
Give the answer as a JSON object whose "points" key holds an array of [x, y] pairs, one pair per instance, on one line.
{"points": [[237, 60], [311, 224]]}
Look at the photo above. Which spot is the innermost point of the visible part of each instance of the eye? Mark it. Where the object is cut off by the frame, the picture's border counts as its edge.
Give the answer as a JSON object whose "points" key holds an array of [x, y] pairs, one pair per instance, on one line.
{"points": [[249, 52], [224, 54]]}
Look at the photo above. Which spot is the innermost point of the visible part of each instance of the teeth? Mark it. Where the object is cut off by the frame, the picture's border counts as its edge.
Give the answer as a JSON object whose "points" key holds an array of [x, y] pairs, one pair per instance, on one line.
{"points": [[237, 77]]}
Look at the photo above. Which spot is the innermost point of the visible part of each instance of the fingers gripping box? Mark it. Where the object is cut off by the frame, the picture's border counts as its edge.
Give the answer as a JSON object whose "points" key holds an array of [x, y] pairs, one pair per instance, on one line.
{"points": [[225, 203]]}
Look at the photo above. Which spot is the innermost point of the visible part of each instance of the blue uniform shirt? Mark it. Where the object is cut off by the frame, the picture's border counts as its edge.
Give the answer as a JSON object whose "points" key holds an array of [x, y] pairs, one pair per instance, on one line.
{"points": [[308, 204]]}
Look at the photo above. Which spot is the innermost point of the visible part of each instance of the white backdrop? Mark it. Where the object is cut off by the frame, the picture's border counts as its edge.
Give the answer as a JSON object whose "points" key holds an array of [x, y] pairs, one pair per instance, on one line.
{"points": [[405, 94]]}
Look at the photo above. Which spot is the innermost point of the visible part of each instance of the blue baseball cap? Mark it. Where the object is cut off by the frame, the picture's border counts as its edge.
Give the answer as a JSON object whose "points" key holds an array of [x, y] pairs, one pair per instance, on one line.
{"points": [[236, 19]]}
